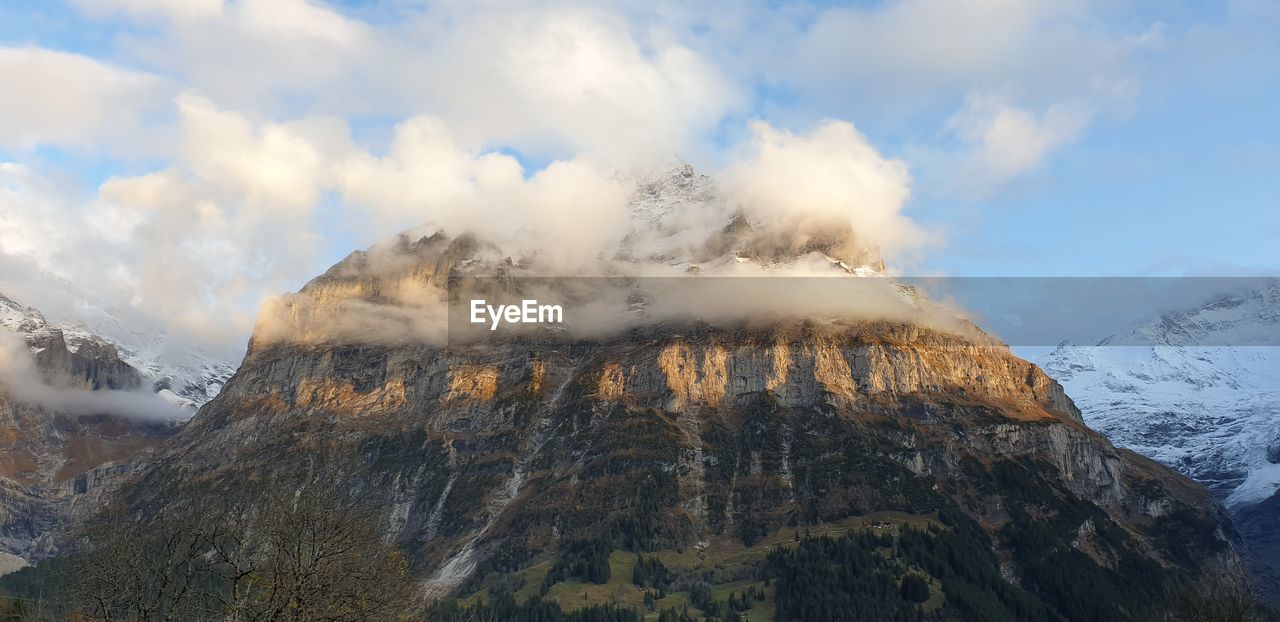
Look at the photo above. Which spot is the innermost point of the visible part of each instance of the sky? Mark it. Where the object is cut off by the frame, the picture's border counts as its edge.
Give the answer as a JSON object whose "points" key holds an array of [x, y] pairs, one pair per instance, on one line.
{"points": [[183, 160]]}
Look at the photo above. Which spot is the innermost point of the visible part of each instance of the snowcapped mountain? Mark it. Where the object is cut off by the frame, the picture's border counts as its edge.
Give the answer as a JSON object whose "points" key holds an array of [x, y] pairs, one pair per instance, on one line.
{"points": [[1211, 412], [1180, 395], [186, 377], [690, 435], [184, 373], [1194, 390], [679, 218], [1250, 318], [189, 372], [669, 190]]}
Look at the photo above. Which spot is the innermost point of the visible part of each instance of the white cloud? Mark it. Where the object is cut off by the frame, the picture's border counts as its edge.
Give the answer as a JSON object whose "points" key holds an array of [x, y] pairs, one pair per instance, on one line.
{"points": [[253, 55], [232, 218], [259, 135], [914, 67], [29, 210], [197, 242], [925, 53], [72, 100], [276, 166], [1003, 141], [229, 220], [297, 18], [564, 80], [422, 173], [428, 178], [551, 81], [830, 173], [922, 44]]}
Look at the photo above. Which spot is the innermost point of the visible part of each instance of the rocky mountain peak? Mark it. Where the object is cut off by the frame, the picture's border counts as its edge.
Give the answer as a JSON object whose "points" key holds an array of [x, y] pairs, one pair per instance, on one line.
{"points": [[664, 192], [680, 217]]}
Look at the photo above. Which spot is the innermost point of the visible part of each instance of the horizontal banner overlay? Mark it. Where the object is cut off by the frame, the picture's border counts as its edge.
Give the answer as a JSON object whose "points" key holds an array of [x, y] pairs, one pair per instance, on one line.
{"points": [[1111, 311]]}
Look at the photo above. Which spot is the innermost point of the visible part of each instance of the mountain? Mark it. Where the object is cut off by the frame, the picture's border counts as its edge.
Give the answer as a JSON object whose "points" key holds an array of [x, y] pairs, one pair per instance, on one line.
{"points": [[62, 439], [188, 371], [1176, 393], [796, 467]]}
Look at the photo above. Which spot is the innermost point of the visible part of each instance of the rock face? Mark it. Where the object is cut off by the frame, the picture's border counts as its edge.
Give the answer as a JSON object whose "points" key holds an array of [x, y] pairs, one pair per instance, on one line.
{"points": [[493, 462], [55, 465], [81, 359]]}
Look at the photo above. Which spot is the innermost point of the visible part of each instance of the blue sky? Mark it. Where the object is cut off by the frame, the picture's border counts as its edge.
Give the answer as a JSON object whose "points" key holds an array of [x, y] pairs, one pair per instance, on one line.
{"points": [[1073, 138]]}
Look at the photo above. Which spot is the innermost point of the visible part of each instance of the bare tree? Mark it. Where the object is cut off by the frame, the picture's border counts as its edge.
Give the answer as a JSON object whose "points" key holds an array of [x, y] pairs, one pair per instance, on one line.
{"points": [[136, 570], [292, 550], [320, 555]]}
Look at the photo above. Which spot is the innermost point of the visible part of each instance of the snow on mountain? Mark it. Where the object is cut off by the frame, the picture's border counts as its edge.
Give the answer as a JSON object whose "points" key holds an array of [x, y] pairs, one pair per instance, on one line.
{"points": [[1244, 319], [184, 376], [667, 190], [18, 318], [188, 372], [679, 219], [1196, 391]]}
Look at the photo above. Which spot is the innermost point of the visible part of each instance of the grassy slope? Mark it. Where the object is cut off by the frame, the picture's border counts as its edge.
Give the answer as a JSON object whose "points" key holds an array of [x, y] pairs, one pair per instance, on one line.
{"points": [[722, 561]]}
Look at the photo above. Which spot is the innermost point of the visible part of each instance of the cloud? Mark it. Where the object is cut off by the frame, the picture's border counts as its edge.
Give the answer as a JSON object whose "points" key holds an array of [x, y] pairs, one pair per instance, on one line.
{"points": [[562, 80], [1002, 141], [235, 216], [64, 99], [263, 55], [197, 242], [553, 81], [924, 54], [990, 87], [922, 45], [279, 166], [28, 214], [809, 197], [421, 174], [297, 19], [294, 128], [571, 211], [832, 174]]}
